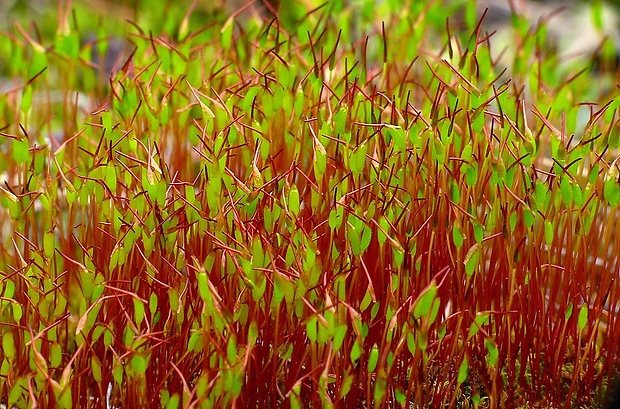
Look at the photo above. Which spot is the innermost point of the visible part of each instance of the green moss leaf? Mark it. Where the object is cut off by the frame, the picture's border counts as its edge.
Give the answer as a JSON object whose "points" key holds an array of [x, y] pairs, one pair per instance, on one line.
{"points": [[422, 306], [582, 320], [463, 371]]}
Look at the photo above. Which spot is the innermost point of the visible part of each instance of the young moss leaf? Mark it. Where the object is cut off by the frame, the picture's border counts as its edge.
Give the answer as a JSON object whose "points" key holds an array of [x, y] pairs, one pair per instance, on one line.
{"points": [[611, 189], [471, 259], [457, 236], [8, 345], [463, 371], [38, 62], [493, 352], [138, 306], [356, 351], [373, 358], [49, 245], [18, 389], [529, 142], [467, 153], [366, 301], [231, 350], [346, 385], [422, 306], [173, 402], [110, 177], [26, 99], [336, 217], [311, 329], [399, 136], [339, 336], [139, 364], [294, 201], [549, 232], [499, 168], [481, 319], [582, 319], [21, 150]]}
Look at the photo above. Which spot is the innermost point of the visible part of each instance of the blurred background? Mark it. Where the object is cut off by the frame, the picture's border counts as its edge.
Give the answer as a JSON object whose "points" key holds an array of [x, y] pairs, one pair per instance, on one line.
{"points": [[576, 29]]}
